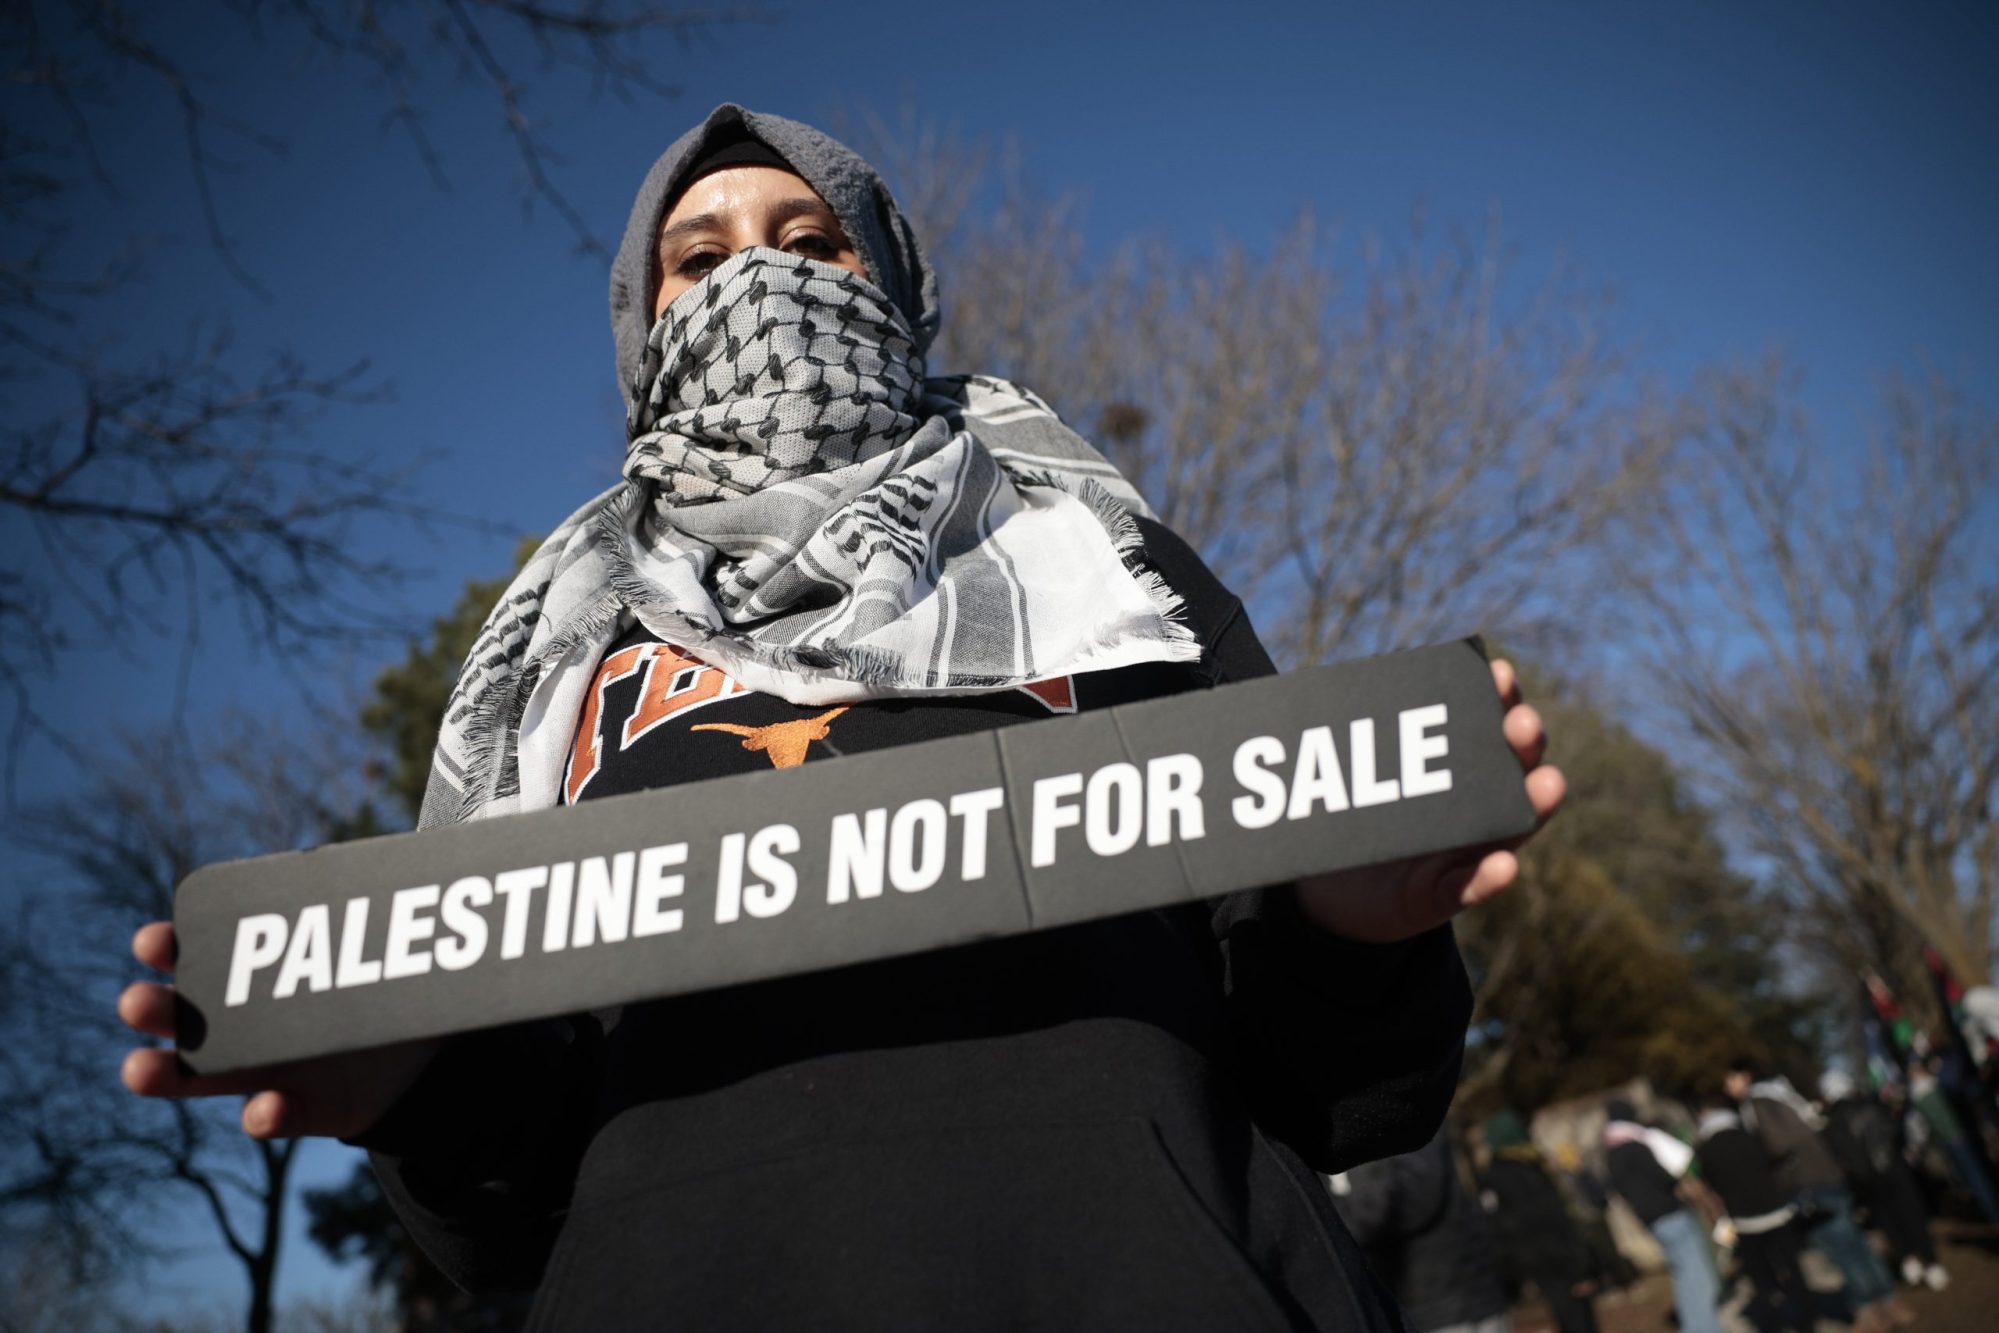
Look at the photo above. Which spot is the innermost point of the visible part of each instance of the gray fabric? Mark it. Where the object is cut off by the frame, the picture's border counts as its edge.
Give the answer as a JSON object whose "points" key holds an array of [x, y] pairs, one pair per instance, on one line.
{"points": [[850, 187]]}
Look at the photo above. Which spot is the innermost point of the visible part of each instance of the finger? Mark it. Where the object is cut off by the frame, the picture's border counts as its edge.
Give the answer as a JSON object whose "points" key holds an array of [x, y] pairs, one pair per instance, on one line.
{"points": [[155, 946], [290, 1113], [1446, 897], [1546, 790], [157, 1072], [1492, 876], [270, 1115], [149, 1007], [1508, 681], [1463, 886], [1525, 733]]}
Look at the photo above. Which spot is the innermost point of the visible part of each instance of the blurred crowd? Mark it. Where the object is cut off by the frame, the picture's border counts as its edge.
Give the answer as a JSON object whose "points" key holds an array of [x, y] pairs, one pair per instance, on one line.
{"points": [[1726, 1190]]}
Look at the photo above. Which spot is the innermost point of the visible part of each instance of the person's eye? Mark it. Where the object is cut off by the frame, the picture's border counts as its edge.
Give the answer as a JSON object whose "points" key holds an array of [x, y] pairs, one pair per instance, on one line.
{"points": [[699, 263], [813, 245]]}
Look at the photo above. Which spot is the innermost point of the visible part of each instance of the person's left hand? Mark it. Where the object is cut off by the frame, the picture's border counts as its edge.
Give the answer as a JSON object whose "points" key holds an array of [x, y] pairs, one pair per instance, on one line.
{"points": [[1384, 903]]}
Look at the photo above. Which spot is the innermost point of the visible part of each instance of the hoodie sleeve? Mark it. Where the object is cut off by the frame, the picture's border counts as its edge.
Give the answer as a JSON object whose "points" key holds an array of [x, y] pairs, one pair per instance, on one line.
{"points": [[478, 1157], [1345, 1051]]}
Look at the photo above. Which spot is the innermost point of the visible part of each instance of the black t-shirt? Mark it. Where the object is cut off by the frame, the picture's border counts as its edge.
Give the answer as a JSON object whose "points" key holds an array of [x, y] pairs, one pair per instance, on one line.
{"points": [[1649, 1188], [657, 716], [1071, 1128], [1735, 1166]]}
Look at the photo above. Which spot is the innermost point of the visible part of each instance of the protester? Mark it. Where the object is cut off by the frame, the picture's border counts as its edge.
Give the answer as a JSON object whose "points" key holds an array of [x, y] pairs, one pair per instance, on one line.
{"points": [[1864, 1137], [1981, 1030], [1608, 1265], [1811, 1178], [1428, 1239], [1105, 1126], [1646, 1166], [1540, 1240], [1769, 1238], [1926, 1099]]}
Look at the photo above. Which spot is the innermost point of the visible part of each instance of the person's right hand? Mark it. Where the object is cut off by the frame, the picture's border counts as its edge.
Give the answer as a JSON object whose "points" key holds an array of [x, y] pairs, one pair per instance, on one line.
{"points": [[339, 1096]]}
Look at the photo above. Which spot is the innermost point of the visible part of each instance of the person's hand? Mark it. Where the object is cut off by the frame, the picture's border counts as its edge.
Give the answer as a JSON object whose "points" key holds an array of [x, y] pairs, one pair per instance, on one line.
{"points": [[339, 1096], [1384, 903]]}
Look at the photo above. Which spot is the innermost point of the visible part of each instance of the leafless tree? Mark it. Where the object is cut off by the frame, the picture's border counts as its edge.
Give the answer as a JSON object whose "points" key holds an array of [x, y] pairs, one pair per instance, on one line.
{"points": [[1400, 444], [83, 1160], [73, 54], [1381, 445], [144, 479], [1827, 629]]}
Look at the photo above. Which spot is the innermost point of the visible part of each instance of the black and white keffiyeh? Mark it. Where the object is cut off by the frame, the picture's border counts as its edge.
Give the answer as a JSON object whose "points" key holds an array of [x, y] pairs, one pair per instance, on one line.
{"points": [[805, 510]]}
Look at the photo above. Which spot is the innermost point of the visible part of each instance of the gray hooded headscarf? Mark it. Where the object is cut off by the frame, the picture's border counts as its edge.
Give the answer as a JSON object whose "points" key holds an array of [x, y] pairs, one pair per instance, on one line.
{"points": [[847, 183], [802, 507]]}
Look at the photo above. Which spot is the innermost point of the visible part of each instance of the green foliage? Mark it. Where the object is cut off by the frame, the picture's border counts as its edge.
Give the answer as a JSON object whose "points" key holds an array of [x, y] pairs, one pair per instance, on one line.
{"points": [[409, 698], [1629, 814]]}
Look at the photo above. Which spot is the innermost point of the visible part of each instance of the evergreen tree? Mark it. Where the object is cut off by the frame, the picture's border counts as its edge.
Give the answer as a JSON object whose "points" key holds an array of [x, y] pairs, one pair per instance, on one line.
{"points": [[406, 704]]}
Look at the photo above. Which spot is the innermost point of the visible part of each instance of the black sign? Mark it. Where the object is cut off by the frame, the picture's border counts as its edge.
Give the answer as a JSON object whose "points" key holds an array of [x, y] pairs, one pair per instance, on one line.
{"points": [[843, 860]]}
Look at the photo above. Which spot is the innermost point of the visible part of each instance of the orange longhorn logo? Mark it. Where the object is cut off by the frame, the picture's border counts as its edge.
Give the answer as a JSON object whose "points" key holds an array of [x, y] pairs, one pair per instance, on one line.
{"points": [[785, 742]]}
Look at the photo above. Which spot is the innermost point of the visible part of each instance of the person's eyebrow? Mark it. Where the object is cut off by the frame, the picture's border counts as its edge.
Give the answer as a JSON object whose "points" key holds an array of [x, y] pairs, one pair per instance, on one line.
{"points": [[801, 207], [687, 227], [783, 212]]}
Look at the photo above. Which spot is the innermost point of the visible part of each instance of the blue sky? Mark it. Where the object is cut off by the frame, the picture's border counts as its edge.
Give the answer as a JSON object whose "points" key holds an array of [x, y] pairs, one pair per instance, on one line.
{"points": [[1817, 177], [1812, 177]]}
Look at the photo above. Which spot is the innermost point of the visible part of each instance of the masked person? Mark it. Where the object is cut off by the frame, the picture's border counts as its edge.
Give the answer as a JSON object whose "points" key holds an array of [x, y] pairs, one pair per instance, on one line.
{"points": [[820, 549]]}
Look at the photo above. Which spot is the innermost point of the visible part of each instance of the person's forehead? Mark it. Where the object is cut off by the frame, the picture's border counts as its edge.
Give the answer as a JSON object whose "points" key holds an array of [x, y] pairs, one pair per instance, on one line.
{"points": [[735, 187]]}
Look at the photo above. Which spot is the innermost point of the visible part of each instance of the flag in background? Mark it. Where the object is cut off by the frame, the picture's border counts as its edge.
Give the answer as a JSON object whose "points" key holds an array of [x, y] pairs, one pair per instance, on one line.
{"points": [[1950, 999], [1884, 1031]]}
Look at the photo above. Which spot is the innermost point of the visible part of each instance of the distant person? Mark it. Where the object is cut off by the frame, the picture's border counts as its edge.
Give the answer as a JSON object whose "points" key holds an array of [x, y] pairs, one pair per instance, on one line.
{"points": [[1811, 1177], [1769, 1236], [1981, 1028], [1427, 1238], [1607, 1263], [1927, 1099], [1866, 1138], [1646, 1166], [1539, 1238]]}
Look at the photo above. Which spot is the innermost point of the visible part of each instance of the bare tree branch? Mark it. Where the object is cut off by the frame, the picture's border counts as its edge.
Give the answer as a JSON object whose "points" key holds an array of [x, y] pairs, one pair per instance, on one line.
{"points": [[133, 474], [1831, 650], [1402, 446], [82, 1159]]}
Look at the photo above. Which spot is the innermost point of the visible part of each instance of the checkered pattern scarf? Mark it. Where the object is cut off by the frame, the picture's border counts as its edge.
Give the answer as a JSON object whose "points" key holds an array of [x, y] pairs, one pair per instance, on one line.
{"points": [[806, 511]]}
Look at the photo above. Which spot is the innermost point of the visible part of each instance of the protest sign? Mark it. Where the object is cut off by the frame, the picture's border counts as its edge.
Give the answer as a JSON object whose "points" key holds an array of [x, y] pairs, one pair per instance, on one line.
{"points": [[843, 860]]}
